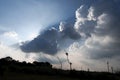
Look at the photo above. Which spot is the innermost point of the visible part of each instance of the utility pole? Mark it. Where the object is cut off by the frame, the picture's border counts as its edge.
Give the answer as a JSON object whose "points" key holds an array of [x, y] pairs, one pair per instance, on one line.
{"points": [[112, 69], [69, 61], [59, 62], [70, 66], [108, 66]]}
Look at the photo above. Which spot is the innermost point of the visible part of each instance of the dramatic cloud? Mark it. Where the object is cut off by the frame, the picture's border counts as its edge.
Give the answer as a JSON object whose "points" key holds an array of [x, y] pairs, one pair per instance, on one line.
{"points": [[46, 42], [101, 23], [93, 39], [67, 30], [50, 40]]}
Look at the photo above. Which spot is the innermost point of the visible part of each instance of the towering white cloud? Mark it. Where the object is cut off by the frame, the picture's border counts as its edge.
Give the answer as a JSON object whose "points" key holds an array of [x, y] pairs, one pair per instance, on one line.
{"points": [[99, 26]]}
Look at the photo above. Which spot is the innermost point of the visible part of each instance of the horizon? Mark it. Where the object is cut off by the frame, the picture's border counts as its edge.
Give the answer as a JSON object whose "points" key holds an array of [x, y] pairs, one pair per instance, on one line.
{"points": [[44, 31]]}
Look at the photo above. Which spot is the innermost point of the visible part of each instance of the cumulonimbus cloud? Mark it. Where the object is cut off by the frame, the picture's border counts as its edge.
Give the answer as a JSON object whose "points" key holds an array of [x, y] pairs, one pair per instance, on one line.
{"points": [[98, 24], [49, 40], [93, 38]]}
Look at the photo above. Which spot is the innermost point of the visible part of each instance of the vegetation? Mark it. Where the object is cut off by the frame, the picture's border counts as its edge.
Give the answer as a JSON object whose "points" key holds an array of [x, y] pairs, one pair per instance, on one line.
{"points": [[14, 70]]}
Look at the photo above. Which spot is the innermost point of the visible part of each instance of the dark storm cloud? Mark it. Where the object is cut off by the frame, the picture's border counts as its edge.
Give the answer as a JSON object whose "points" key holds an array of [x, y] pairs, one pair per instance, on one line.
{"points": [[67, 30], [48, 41]]}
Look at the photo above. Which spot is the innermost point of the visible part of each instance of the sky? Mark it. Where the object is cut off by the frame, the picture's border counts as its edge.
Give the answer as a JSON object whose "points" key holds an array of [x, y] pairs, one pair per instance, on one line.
{"points": [[44, 30]]}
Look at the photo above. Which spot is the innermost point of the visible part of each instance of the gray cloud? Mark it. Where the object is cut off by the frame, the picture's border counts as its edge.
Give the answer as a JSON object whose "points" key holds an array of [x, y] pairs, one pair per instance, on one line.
{"points": [[96, 31], [101, 22], [46, 42], [67, 30], [50, 40]]}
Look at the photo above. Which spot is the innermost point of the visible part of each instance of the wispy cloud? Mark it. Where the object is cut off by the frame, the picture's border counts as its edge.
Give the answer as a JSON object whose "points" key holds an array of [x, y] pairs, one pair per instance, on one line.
{"points": [[11, 34]]}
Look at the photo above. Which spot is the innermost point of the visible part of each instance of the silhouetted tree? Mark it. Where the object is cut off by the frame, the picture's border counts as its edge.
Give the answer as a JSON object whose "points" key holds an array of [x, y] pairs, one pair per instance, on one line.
{"points": [[42, 64], [1, 70]]}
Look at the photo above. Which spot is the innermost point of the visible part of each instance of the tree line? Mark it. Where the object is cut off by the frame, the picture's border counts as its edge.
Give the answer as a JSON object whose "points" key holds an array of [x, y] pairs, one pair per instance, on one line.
{"points": [[9, 65]]}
